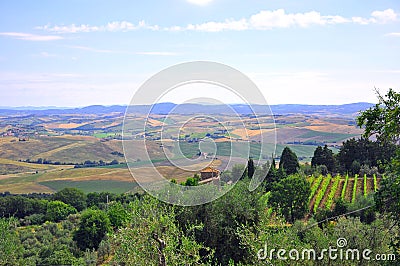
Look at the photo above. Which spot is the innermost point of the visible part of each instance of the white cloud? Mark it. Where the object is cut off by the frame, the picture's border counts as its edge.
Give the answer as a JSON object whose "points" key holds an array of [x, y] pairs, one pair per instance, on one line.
{"points": [[220, 26], [380, 17], [111, 27], [31, 37], [264, 20], [279, 19], [393, 34], [384, 16], [91, 49], [157, 53], [106, 51], [200, 2]]}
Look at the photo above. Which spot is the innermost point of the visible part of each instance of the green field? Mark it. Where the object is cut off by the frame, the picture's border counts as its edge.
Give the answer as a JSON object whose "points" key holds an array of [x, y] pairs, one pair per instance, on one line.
{"points": [[239, 149], [326, 136], [103, 135]]}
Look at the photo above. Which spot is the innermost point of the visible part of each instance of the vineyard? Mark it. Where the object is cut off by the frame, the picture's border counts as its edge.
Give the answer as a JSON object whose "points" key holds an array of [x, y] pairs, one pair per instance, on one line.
{"points": [[325, 189]]}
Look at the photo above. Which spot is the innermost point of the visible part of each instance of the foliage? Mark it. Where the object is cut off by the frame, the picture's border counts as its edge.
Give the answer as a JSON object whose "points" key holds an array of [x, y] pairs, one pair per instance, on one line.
{"points": [[353, 197], [10, 245], [117, 214], [273, 234], [58, 210], [273, 175], [192, 181], [99, 199], [357, 152], [363, 207], [19, 206], [365, 185], [289, 161], [314, 187], [321, 192], [383, 120], [93, 227], [50, 243], [73, 197], [250, 168], [346, 181], [324, 156], [151, 220], [290, 197], [332, 192]]}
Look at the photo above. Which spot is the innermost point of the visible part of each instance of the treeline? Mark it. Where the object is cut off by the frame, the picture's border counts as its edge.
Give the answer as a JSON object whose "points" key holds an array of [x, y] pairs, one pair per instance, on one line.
{"points": [[36, 208], [86, 163], [89, 163], [356, 156]]}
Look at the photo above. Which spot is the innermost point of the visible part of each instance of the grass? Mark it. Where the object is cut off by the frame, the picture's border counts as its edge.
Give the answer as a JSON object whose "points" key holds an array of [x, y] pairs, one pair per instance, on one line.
{"points": [[92, 185]]}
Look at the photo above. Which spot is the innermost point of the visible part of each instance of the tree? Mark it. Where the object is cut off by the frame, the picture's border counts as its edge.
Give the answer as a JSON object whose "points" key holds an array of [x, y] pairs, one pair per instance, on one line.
{"points": [[58, 210], [250, 168], [192, 181], [117, 214], [239, 171], [73, 197], [383, 121], [366, 152], [289, 161], [153, 235], [94, 225], [290, 197], [273, 175], [10, 245], [323, 156]]}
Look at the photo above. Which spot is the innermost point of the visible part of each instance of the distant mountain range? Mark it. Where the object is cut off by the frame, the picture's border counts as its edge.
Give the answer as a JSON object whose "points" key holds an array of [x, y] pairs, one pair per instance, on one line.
{"points": [[189, 108]]}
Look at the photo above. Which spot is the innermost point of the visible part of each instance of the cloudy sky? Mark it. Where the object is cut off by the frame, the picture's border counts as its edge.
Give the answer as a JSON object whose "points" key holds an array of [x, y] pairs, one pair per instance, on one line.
{"points": [[78, 53]]}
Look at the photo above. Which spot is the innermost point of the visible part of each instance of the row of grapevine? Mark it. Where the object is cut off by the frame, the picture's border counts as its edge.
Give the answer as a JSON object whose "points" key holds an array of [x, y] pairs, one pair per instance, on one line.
{"points": [[353, 198], [324, 189], [321, 192], [343, 195], [365, 185], [315, 186], [332, 193]]}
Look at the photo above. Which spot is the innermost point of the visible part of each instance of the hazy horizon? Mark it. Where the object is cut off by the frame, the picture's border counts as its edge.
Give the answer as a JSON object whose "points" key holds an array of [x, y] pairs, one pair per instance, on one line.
{"points": [[123, 105]]}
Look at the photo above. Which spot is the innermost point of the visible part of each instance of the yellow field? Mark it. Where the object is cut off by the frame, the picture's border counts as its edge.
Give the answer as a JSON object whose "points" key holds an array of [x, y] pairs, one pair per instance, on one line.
{"points": [[22, 188], [63, 125], [63, 148]]}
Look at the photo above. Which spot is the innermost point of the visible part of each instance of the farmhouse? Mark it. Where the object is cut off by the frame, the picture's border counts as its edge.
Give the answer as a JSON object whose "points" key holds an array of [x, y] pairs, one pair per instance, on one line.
{"points": [[209, 174]]}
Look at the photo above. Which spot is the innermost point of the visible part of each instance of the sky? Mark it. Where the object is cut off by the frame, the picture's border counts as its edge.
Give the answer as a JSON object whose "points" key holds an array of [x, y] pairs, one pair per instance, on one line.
{"points": [[78, 53]]}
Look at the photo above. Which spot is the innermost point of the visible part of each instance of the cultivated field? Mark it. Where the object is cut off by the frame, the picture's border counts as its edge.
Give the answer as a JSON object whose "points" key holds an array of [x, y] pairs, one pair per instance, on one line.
{"points": [[38, 151]]}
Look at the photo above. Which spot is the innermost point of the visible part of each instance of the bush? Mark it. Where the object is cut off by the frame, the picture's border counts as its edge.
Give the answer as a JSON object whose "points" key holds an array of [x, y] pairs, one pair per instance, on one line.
{"points": [[58, 210], [93, 226]]}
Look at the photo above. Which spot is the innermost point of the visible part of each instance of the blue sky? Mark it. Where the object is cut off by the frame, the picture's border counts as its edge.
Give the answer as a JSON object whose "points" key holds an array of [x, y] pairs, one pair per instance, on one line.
{"points": [[78, 53]]}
